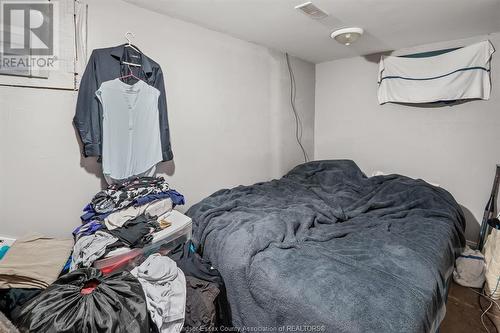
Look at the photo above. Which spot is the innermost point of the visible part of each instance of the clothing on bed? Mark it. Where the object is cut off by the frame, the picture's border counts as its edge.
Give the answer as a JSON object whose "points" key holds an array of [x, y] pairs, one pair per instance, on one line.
{"points": [[329, 247]]}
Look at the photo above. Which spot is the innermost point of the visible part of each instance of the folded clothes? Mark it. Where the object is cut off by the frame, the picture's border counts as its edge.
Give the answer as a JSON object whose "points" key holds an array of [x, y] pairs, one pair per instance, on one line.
{"points": [[23, 282], [155, 208], [137, 232], [91, 215], [119, 196], [34, 262], [90, 248]]}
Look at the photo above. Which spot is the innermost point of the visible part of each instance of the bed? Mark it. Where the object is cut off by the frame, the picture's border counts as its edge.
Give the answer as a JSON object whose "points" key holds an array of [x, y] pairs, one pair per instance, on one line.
{"points": [[326, 248]]}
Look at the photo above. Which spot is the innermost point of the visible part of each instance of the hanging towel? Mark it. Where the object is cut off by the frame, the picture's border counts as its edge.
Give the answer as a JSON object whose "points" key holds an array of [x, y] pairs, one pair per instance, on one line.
{"points": [[456, 75]]}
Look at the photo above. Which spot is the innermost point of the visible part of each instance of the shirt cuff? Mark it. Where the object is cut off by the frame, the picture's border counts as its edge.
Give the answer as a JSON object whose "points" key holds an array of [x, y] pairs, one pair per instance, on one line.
{"points": [[91, 149], [167, 155]]}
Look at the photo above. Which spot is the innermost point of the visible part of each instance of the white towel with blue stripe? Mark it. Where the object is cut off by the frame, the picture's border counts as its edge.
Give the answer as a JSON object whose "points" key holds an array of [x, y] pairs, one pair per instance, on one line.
{"points": [[470, 269], [460, 74]]}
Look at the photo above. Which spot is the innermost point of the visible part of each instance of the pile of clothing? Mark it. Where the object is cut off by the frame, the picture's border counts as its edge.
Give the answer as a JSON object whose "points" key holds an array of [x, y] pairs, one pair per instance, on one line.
{"points": [[172, 290], [123, 215]]}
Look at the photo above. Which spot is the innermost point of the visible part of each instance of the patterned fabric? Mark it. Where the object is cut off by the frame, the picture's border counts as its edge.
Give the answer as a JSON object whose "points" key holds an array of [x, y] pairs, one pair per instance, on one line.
{"points": [[90, 214], [118, 196]]}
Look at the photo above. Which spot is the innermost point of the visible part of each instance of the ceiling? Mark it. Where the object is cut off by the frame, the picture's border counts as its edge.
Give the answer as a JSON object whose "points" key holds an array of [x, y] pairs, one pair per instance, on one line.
{"points": [[388, 24]]}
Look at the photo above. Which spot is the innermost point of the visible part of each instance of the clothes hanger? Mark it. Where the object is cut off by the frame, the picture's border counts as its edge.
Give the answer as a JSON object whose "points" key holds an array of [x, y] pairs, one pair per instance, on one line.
{"points": [[129, 44], [130, 74]]}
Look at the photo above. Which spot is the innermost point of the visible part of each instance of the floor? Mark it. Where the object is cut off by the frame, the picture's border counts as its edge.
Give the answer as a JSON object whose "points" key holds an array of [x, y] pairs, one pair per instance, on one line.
{"points": [[463, 313]]}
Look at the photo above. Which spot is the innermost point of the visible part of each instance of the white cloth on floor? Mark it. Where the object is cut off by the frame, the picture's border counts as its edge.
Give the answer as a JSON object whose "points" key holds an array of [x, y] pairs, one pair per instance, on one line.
{"points": [[470, 269], [165, 287], [456, 75], [154, 208], [492, 259], [90, 248]]}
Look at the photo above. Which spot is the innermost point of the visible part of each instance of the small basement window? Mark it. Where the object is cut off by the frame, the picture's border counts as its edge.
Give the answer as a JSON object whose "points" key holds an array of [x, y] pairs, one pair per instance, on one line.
{"points": [[43, 43]]}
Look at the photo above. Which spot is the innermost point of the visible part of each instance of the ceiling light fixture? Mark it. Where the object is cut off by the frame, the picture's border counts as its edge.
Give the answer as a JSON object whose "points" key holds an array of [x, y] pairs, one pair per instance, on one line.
{"points": [[347, 36]]}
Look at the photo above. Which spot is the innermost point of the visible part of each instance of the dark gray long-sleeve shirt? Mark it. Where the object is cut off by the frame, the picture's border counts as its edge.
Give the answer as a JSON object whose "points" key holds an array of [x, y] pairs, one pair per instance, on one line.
{"points": [[104, 65]]}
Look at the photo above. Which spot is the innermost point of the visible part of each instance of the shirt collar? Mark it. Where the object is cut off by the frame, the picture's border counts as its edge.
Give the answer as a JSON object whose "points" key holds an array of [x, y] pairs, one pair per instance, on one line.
{"points": [[117, 53]]}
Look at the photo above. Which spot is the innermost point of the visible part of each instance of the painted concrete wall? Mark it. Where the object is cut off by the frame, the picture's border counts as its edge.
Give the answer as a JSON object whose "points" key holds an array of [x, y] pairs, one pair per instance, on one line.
{"points": [[455, 146], [229, 115]]}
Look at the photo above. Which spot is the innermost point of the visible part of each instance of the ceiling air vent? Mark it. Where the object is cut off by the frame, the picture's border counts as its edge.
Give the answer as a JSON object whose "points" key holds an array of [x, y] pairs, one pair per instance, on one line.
{"points": [[311, 10]]}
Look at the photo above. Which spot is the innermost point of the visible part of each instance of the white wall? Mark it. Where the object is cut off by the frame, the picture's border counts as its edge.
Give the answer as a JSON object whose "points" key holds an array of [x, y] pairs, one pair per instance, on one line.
{"points": [[456, 146], [229, 116]]}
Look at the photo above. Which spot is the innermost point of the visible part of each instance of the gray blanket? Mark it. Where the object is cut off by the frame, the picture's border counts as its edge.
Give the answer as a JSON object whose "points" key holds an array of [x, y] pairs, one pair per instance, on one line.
{"points": [[325, 248]]}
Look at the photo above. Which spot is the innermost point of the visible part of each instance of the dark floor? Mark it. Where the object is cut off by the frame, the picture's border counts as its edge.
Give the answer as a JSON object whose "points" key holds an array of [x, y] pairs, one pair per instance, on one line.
{"points": [[463, 312]]}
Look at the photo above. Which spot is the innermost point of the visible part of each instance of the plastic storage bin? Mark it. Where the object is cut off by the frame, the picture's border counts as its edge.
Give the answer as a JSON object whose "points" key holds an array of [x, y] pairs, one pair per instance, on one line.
{"points": [[163, 242]]}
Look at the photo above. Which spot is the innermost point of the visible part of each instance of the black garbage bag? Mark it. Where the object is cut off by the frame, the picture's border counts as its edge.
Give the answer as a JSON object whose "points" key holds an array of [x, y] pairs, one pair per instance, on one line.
{"points": [[86, 301]]}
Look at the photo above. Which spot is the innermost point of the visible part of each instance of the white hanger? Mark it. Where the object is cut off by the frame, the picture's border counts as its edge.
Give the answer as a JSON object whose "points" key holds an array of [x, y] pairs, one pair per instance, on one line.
{"points": [[129, 44]]}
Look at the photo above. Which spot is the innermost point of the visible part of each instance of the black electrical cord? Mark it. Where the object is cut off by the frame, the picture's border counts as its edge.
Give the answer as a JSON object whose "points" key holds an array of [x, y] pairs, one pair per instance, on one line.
{"points": [[298, 122]]}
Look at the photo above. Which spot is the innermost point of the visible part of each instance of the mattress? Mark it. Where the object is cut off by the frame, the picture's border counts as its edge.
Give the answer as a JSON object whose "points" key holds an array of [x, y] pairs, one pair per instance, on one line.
{"points": [[326, 248]]}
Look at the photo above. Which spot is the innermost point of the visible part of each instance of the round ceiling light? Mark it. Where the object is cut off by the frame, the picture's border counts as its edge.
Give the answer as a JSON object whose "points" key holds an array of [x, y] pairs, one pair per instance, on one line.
{"points": [[347, 36]]}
